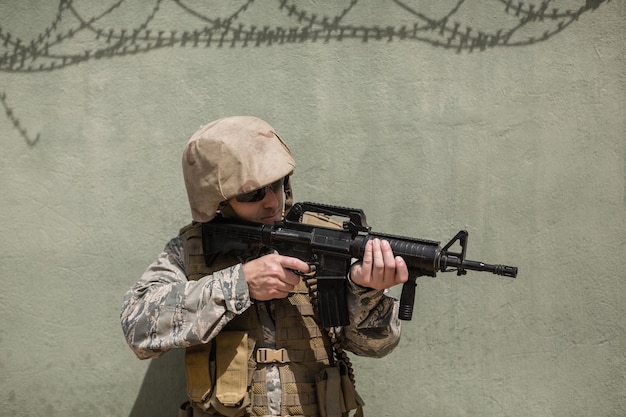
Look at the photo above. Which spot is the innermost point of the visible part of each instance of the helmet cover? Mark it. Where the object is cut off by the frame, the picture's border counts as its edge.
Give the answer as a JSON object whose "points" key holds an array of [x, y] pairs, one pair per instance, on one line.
{"points": [[229, 157]]}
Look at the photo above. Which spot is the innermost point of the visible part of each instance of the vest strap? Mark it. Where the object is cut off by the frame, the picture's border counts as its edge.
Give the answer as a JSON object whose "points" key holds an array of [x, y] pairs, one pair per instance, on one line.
{"points": [[267, 355]]}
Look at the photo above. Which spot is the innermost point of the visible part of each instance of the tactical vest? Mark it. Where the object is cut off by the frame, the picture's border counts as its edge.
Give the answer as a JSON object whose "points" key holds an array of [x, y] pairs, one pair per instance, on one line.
{"points": [[228, 374]]}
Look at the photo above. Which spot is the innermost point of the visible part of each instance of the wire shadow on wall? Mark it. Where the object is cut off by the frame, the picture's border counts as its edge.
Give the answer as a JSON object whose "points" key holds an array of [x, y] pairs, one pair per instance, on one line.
{"points": [[74, 37]]}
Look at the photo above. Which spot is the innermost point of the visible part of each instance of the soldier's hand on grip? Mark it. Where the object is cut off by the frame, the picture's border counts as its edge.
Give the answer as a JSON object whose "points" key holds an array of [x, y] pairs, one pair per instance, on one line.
{"points": [[379, 269], [272, 276]]}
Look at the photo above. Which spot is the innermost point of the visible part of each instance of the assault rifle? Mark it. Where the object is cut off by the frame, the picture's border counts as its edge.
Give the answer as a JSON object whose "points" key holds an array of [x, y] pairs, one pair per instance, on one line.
{"points": [[330, 250]]}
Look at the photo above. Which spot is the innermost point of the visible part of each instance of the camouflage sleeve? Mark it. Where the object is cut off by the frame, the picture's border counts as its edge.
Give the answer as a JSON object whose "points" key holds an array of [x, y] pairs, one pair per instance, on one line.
{"points": [[164, 310], [374, 329]]}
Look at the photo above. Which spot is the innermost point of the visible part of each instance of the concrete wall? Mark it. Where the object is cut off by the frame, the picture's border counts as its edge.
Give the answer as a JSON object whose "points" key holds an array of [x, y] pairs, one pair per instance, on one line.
{"points": [[505, 118]]}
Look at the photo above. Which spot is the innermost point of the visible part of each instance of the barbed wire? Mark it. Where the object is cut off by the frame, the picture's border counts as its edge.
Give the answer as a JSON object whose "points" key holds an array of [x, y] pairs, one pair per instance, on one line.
{"points": [[88, 38]]}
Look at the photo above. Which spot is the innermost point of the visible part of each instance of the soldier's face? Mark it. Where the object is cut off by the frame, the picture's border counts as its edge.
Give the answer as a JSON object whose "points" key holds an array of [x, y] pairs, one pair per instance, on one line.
{"points": [[268, 210]]}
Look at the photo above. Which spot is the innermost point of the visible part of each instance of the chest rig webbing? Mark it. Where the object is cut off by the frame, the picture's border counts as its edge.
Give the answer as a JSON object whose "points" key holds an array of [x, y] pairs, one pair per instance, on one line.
{"points": [[228, 375]]}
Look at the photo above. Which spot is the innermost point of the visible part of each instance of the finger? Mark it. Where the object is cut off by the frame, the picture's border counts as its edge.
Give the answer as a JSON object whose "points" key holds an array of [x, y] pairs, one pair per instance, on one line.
{"points": [[295, 264], [402, 271], [367, 262], [290, 278], [389, 262], [368, 257], [378, 267], [291, 270]]}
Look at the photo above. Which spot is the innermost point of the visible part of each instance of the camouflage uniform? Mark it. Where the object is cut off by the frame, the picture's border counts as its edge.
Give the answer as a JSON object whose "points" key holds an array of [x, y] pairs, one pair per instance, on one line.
{"points": [[165, 309]]}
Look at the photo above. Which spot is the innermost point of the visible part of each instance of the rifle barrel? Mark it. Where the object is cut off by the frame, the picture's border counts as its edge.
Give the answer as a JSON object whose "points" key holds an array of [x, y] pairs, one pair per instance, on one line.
{"points": [[497, 269]]}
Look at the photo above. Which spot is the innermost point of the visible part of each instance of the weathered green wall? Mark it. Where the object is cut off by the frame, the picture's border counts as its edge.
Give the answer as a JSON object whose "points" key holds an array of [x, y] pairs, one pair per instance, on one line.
{"points": [[501, 117]]}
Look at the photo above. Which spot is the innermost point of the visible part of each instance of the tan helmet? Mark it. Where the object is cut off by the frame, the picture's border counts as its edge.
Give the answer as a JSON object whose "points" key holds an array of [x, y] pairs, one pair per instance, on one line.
{"points": [[229, 157]]}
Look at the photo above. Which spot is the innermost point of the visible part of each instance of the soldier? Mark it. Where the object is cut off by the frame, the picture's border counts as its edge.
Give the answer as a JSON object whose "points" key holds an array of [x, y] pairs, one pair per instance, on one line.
{"points": [[253, 345]]}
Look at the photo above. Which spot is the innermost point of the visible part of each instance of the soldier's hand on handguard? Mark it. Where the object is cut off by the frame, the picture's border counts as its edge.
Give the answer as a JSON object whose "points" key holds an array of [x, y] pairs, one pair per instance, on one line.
{"points": [[272, 276], [379, 269]]}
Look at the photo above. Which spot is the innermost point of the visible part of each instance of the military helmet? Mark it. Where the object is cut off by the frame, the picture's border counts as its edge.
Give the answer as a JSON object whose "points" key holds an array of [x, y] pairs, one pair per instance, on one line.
{"points": [[230, 157]]}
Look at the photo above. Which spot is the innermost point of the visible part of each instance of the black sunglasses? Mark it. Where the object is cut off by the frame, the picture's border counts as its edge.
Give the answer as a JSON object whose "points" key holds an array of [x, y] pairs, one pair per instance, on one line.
{"points": [[258, 195]]}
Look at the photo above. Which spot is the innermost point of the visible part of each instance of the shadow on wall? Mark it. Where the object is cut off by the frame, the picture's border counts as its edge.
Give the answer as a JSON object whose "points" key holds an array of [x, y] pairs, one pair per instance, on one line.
{"points": [[163, 387], [74, 35]]}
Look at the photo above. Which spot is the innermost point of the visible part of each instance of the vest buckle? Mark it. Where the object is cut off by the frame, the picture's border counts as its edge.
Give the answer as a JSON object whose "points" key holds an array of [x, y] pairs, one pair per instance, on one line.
{"points": [[267, 355]]}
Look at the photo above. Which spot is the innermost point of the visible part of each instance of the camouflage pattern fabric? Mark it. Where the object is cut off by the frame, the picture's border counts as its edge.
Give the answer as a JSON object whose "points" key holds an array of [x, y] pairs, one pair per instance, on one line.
{"points": [[164, 310]]}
